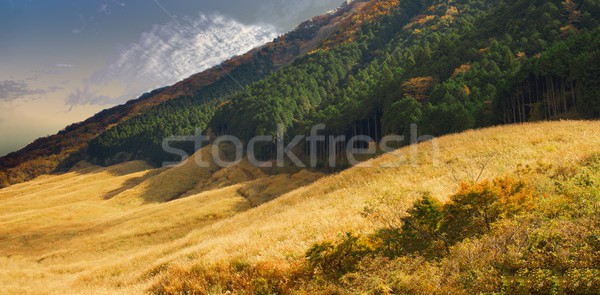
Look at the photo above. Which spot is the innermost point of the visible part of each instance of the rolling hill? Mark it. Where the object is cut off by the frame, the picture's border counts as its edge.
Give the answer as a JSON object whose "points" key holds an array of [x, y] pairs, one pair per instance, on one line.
{"points": [[503, 200], [111, 230]]}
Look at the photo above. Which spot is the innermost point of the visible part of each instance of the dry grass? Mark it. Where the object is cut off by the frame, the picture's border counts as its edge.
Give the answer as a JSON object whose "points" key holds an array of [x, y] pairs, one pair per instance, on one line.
{"points": [[107, 230]]}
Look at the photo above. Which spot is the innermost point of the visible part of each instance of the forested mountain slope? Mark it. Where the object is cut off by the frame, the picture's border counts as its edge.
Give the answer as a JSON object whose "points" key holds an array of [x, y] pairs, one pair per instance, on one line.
{"points": [[186, 104], [372, 68], [446, 66]]}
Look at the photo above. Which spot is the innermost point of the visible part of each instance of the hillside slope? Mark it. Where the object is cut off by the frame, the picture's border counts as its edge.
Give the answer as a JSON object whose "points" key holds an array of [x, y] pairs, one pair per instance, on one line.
{"points": [[59, 152], [96, 230], [447, 66], [371, 67]]}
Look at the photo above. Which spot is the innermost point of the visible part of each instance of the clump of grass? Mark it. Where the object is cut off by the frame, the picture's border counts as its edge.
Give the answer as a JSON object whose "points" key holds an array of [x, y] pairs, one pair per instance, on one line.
{"points": [[238, 277]]}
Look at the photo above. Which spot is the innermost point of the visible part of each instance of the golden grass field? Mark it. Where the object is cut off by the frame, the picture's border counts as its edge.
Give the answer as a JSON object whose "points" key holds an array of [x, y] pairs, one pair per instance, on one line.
{"points": [[114, 231]]}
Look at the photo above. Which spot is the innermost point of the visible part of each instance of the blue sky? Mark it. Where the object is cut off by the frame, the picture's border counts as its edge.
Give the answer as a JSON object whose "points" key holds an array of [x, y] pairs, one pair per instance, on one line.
{"points": [[62, 61]]}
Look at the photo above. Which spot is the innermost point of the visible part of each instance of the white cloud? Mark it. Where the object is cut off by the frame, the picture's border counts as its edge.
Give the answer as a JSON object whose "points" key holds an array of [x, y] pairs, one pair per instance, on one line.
{"points": [[169, 53], [88, 96], [11, 90]]}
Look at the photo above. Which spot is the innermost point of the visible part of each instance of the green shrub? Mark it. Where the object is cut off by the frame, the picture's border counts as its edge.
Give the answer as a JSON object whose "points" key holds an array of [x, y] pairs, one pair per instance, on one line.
{"points": [[420, 231], [431, 227], [336, 260]]}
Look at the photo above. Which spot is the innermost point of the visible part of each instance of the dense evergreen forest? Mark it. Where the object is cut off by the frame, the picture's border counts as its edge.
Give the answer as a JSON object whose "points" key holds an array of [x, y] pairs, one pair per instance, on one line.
{"points": [[446, 66]]}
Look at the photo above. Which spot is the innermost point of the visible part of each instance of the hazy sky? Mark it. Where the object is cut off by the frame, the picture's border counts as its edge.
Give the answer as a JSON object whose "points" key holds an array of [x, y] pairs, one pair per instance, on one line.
{"points": [[62, 61]]}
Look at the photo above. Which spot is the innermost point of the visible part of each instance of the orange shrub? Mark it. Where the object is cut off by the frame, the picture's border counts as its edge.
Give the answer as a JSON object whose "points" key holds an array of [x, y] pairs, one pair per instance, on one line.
{"points": [[475, 207]]}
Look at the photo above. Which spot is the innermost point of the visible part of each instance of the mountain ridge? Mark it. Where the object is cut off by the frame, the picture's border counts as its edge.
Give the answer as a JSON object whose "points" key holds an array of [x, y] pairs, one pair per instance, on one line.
{"points": [[372, 67], [61, 151]]}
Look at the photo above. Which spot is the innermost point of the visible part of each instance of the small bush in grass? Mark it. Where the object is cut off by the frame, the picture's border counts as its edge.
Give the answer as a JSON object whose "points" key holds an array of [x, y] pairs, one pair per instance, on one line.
{"points": [[420, 231], [475, 207], [335, 260], [431, 227]]}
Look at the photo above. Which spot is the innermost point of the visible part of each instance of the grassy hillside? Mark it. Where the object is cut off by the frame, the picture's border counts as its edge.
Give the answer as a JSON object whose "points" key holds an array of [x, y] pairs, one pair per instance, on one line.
{"points": [[111, 230]]}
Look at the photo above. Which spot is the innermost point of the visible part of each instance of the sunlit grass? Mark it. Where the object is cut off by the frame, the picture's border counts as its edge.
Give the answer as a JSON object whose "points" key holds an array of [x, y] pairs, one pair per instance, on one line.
{"points": [[109, 230]]}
